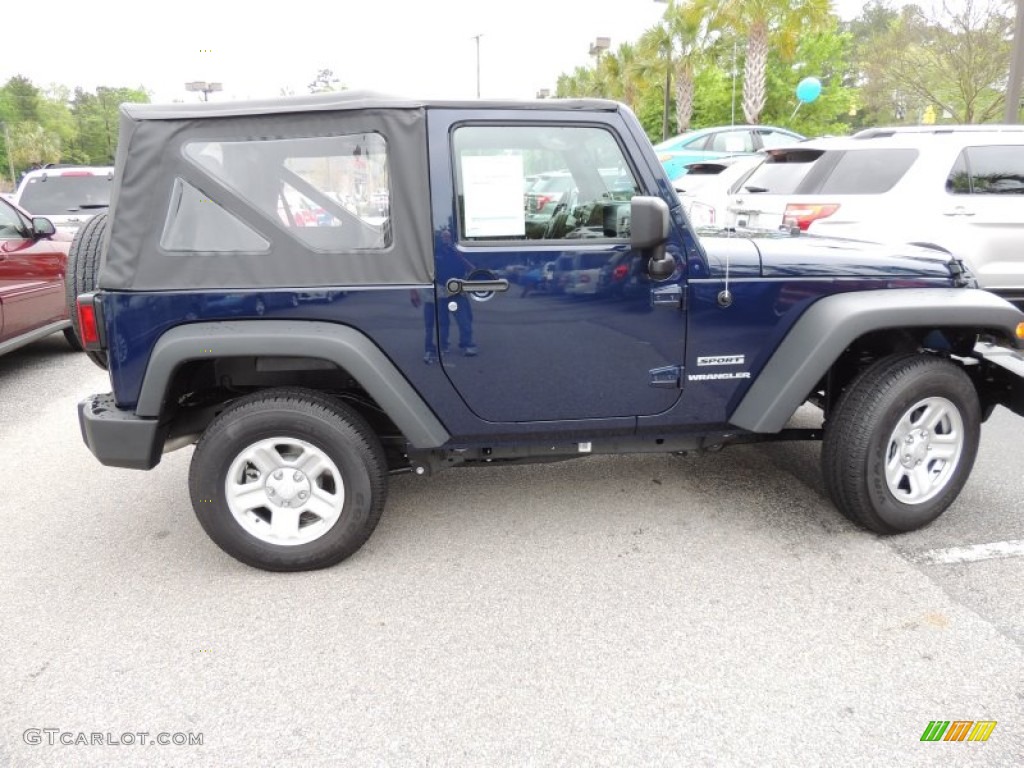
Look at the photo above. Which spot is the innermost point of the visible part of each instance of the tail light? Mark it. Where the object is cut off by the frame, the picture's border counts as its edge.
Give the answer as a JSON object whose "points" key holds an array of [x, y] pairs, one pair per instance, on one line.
{"points": [[89, 323], [540, 201], [802, 214], [620, 272], [701, 214]]}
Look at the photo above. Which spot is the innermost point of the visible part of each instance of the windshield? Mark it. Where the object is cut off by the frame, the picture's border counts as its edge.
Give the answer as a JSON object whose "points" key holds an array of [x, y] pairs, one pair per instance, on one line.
{"points": [[66, 194]]}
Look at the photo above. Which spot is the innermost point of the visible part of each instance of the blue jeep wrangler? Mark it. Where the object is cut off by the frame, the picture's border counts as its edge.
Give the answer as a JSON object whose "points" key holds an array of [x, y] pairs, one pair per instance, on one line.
{"points": [[318, 292]]}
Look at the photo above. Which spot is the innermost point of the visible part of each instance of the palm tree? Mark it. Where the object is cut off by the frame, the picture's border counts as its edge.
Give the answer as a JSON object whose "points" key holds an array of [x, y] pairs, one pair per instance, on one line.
{"points": [[620, 73], [780, 22], [691, 26], [655, 48]]}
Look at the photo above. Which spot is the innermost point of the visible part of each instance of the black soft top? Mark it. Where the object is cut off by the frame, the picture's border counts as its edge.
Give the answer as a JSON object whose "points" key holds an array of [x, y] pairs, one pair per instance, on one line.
{"points": [[340, 101], [151, 159]]}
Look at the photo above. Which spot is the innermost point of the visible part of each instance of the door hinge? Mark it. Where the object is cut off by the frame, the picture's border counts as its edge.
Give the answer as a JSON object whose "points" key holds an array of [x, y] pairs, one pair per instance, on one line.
{"points": [[669, 377], [670, 296]]}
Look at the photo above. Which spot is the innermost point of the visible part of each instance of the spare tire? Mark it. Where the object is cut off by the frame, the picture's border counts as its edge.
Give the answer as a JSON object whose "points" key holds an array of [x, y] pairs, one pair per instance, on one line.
{"points": [[82, 271]]}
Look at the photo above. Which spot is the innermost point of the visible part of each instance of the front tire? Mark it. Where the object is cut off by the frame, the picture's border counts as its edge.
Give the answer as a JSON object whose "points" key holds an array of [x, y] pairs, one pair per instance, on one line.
{"points": [[901, 442], [288, 480]]}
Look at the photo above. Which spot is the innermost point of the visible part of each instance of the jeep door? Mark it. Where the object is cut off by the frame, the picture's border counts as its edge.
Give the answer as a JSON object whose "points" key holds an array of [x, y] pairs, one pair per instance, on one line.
{"points": [[566, 349]]}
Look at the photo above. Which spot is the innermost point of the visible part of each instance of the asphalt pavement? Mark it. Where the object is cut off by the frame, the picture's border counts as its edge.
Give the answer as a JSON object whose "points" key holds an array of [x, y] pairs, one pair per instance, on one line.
{"points": [[639, 610]]}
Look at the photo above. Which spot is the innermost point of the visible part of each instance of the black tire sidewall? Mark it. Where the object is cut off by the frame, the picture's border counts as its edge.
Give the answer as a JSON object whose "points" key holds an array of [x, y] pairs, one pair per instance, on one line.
{"points": [[81, 275], [216, 453], [929, 381]]}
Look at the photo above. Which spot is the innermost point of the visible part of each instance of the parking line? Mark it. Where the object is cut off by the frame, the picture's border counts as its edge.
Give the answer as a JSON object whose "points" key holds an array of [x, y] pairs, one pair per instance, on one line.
{"points": [[970, 554]]}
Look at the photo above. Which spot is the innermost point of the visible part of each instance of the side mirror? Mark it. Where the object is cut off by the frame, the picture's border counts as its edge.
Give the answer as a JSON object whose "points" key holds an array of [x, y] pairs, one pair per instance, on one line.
{"points": [[43, 227], [649, 221]]}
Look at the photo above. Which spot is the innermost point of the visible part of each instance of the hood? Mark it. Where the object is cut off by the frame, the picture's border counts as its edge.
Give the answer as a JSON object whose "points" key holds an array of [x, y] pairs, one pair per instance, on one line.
{"points": [[784, 255]]}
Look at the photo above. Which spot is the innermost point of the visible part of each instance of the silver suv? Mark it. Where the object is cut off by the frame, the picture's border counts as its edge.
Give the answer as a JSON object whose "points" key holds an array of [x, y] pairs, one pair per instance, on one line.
{"points": [[67, 195], [960, 188]]}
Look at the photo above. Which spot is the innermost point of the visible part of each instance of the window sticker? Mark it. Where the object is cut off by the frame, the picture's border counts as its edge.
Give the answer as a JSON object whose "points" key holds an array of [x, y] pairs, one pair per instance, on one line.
{"points": [[493, 188]]}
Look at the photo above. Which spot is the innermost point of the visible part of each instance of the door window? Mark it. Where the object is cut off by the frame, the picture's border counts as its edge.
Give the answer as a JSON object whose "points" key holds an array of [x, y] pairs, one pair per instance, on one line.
{"points": [[11, 225], [583, 189]]}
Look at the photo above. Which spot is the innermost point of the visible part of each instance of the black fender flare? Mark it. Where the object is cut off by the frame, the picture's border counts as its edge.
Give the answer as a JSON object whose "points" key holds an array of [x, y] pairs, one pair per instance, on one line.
{"points": [[832, 323], [346, 347]]}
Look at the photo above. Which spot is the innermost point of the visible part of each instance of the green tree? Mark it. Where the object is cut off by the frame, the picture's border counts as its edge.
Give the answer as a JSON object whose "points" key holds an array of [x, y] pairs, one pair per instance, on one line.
{"points": [[655, 47], [32, 145], [691, 27], [97, 119], [953, 59], [19, 100], [769, 25]]}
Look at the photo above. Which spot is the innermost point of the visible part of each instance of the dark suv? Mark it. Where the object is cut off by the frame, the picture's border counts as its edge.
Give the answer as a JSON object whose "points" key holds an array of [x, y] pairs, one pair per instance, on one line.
{"points": [[308, 357]]}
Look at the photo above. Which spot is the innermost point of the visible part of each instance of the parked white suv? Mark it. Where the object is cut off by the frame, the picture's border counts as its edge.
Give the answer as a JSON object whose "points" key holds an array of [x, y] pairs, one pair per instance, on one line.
{"points": [[66, 195], [958, 187]]}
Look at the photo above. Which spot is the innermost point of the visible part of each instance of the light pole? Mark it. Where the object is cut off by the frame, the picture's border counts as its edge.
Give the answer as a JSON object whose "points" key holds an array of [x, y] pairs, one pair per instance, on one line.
{"points": [[477, 38], [733, 119], [599, 46], [1012, 113], [201, 86], [668, 77]]}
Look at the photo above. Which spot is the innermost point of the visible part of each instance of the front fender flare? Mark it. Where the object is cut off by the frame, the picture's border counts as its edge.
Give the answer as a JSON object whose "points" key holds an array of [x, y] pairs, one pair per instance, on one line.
{"points": [[346, 347], [831, 324]]}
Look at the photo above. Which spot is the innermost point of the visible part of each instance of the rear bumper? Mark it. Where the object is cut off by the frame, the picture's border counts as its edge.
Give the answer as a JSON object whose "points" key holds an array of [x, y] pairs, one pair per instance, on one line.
{"points": [[119, 438]]}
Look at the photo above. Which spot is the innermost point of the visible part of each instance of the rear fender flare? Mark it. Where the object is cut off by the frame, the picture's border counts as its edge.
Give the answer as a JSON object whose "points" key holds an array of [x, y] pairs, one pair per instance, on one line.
{"points": [[346, 347]]}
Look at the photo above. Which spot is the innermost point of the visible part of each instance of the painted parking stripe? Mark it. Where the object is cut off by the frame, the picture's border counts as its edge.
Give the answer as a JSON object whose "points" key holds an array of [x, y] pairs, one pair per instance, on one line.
{"points": [[970, 554]]}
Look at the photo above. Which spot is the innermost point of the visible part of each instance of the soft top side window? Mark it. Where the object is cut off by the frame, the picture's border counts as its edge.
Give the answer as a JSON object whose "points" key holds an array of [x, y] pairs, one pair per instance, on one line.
{"points": [[332, 193]]}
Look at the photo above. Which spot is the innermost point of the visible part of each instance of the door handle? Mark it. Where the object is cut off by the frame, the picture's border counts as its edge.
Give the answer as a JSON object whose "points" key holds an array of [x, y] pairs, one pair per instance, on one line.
{"points": [[958, 211], [457, 285]]}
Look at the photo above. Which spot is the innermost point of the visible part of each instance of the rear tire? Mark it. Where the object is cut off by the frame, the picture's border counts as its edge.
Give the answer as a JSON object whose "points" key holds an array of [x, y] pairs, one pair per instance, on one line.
{"points": [[288, 480], [901, 442], [82, 271]]}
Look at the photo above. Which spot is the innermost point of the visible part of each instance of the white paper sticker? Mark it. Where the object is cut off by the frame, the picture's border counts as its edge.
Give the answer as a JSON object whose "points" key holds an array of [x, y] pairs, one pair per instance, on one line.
{"points": [[493, 189]]}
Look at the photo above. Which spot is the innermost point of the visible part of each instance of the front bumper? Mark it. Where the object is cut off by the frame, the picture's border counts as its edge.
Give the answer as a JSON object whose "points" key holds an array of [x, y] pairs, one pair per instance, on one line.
{"points": [[120, 438], [1004, 378]]}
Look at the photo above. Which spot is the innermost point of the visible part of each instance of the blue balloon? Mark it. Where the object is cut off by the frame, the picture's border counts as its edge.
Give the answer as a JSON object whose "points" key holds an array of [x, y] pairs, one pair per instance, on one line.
{"points": [[808, 89]]}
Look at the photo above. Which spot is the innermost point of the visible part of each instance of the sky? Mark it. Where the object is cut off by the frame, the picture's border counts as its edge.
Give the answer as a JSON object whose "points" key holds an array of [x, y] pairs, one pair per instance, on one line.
{"points": [[257, 50]]}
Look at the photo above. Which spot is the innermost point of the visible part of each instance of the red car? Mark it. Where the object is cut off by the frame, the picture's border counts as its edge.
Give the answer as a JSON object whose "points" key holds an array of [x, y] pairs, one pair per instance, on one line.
{"points": [[33, 259]]}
